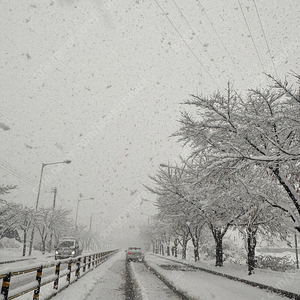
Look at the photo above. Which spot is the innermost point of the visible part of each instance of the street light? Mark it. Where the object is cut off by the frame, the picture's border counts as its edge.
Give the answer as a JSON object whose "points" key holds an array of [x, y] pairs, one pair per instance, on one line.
{"points": [[40, 183], [172, 167], [143, 199], [78, 200], [164, 166], [91, 218], [38, 194]]}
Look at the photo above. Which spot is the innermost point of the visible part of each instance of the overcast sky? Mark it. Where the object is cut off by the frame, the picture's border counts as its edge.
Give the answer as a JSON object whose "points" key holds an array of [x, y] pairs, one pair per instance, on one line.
{"points": [[102, 82]]}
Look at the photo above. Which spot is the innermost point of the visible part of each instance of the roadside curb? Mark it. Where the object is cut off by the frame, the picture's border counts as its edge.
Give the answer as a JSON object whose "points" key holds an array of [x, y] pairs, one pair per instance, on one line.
{"points": [[252, 283]]}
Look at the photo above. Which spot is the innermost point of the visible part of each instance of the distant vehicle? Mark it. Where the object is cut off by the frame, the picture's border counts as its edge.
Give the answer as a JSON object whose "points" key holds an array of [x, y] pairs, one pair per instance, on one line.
{"points": [[135, 253], [67, 247]]}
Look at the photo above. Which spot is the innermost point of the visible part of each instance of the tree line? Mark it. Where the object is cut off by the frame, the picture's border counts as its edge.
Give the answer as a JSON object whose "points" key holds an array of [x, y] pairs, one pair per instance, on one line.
{"points": [[18, 222], [242, 171]]}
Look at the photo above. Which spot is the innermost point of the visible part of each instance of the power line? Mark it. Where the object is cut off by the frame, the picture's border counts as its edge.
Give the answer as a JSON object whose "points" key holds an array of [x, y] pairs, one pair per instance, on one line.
{"points": [[5, 166], [251, 36], [198, 38], [215, 31], [262, 28], [191, 50]]}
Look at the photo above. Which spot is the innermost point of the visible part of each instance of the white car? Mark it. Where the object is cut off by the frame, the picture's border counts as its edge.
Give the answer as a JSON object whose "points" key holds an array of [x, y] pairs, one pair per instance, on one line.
{"points": [[67, 247]]}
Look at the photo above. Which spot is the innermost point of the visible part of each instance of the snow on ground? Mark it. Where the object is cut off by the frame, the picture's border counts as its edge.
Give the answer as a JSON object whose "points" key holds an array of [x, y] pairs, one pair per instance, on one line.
{"points": [[149, 285], [136, 277], [77, 290], [85, 285], [288, 281], [108, 283], [10, 249], [202, 285]]}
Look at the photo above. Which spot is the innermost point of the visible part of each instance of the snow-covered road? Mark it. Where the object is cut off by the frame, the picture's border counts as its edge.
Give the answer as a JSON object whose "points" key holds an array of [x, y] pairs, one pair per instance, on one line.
{"points": [[109, 281]]}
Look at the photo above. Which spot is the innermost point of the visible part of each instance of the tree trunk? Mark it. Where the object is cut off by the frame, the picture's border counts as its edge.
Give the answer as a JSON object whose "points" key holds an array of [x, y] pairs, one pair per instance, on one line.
{"points": [[195, 240], [291, 193], [175, 248], [218, 236], [196, 248], [219, 253], [50, 243], [196, 253], [168, 250], [219, 246], [251, 243], [24, 242], [31, 242], [44, 244], [184, 245]]}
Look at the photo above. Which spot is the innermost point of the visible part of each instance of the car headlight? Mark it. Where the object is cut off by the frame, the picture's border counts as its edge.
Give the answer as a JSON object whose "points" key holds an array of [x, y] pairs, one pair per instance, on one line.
{"points": [[56, 252], [73, 252]]}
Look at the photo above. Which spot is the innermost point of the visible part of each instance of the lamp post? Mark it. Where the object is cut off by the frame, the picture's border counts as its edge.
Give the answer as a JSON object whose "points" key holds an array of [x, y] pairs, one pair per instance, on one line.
{"points": [[53, 209], [143, 200], [38, 194], [41, 176], [296, 250], [91, 218], [172, 167], [78, 200], [90, 230]]}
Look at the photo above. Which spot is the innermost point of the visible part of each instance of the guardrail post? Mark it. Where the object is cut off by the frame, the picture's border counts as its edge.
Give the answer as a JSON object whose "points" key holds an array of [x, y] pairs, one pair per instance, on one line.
{"points": [[36, 294], [77, 273], [5, 286], [84, 264], [69, 271], [93, 261], [57, 271], [89, 264]]}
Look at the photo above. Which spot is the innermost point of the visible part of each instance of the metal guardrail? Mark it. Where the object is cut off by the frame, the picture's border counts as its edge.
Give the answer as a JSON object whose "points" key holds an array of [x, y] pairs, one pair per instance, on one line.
{"points": [[63, 268], [15, 260]]}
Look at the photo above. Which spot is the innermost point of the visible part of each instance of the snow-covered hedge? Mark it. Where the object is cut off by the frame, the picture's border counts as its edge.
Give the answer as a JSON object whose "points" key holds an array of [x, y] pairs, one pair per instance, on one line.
{"points": [[274, 263], [6, 243]]}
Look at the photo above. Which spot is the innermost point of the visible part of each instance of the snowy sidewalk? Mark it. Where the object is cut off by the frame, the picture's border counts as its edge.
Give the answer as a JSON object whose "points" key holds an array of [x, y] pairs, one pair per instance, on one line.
{"points": [[104, 282], [199, 284]]}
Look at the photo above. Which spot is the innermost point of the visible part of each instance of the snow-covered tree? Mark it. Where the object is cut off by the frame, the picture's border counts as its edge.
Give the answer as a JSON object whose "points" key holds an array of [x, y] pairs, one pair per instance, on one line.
{"points": [[259, 133], [5, 189], [26, 220], [10, 218], [49, 221]]}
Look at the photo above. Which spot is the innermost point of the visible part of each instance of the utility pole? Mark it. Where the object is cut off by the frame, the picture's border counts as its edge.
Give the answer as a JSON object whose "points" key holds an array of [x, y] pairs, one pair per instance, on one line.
{"points": [[53, 209], [54, 198], [296, 249]]}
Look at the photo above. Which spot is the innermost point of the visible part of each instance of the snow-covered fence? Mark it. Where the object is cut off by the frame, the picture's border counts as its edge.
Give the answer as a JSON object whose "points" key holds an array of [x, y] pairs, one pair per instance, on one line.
{"points": [[44, 278]]}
